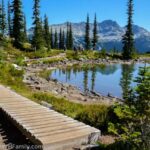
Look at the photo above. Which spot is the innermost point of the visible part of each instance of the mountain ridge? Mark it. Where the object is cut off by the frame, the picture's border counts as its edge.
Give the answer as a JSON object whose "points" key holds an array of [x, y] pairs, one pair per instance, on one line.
{"points": [[110, 35]]}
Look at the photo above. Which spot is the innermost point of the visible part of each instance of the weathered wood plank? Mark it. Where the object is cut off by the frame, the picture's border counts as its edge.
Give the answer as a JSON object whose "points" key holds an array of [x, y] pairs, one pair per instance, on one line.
{"points": [[43, 126]]}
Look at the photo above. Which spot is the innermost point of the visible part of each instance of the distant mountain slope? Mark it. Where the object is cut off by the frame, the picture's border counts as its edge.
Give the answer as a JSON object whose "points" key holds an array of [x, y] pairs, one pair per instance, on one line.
{"points": [[110, 35]]}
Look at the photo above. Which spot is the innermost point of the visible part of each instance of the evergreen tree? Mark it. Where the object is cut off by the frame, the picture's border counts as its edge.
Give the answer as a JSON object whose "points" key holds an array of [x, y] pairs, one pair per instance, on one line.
{"points": [[128, 39], [95, 32], [9, 19], [2, 18], [87, 34], [17, 23], [133, 120], [56, 40], [25, 29], [52, 38], [63, 39], [60, 39], [47, 33], [67, 36], [70, 37], [38, 40], [142, 102]]}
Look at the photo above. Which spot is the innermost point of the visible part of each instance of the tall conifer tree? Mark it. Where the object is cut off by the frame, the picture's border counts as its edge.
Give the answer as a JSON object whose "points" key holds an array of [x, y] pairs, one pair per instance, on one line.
{"points": [[63, 39], [25, 29], [2, 18], [38, 40], [56, 40], [60, 39], [52, 38], [70, 37], [9, 18], [95, 32], [128, 39], [17, 23], [67, 36], [47, 33], [87, 34]]}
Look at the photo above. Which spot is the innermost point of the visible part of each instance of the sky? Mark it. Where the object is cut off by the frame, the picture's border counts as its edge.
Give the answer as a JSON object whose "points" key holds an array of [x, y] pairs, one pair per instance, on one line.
{"points": [[60, 11]]}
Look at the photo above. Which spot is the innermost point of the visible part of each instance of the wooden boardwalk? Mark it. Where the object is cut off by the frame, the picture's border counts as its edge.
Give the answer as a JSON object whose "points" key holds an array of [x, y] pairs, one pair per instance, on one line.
{"points": [[43, 126]]}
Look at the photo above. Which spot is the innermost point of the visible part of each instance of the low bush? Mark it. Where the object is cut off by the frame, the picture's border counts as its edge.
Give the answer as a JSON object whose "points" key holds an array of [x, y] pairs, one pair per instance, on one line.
{"points": [[43, 53], [52, 60], [118, 146], [20, 61]]}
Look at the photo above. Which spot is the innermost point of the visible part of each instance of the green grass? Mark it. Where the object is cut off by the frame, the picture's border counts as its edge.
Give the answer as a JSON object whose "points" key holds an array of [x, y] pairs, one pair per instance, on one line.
{"points": [[43, 53], [92, 55], [45, 73], [52, 60], [145, 55], [71, 55]]}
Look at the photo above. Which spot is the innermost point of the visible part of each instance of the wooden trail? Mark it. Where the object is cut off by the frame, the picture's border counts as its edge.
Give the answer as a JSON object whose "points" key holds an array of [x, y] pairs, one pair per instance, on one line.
{"points": [[45, 127]]}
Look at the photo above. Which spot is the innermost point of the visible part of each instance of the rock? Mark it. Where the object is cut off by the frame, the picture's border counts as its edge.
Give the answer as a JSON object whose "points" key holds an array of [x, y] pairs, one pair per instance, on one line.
{"points": [[45, 104], [36, 82], [85, 100], [81, 59], [37, 88], [16, 67], [55, 92]]}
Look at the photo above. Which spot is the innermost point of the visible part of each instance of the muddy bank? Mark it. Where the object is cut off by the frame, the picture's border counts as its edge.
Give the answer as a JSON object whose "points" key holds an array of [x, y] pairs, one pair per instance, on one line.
{"points": [[65, 90], [64, 63]]}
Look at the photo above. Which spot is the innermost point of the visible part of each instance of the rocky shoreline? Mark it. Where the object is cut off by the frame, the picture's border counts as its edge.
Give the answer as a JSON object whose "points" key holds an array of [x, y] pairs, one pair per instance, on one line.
{"points": [[67, 91], [81, 62]]}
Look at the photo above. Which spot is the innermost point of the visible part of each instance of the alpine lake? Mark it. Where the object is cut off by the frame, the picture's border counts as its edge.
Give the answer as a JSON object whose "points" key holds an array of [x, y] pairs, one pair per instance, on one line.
{"points": [[113, 79]]}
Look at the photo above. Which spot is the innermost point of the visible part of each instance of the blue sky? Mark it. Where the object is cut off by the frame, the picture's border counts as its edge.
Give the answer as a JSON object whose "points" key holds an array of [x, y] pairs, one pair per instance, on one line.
{"points": [[60, 11]]}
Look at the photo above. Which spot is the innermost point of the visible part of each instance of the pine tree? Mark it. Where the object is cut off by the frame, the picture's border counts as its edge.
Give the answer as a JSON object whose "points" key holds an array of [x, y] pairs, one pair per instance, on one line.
{"points": [[63, 39], [87, 34], [25, 29], [56, 40], [70, 37], [47, 33], [17, 23], [38, 40], [60, 39], [2, 19], [95, 32], [67, 36], [9, 19], [128, 39], [133, 119], [52, 38]]}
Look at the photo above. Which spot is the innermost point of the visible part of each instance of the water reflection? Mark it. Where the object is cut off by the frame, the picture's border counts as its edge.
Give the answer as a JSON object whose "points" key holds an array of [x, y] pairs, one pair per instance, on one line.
{"points": [[114, 79], [85, 80], [93, 78], [126, 79]]}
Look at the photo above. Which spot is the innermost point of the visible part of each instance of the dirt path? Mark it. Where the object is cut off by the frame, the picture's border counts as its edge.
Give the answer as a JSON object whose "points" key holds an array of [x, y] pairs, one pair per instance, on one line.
{"points": [[61, 55]]}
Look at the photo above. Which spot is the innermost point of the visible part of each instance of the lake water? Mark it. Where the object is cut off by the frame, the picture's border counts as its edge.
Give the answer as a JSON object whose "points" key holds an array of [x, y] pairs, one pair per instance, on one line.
{"points": [[114, 79]]}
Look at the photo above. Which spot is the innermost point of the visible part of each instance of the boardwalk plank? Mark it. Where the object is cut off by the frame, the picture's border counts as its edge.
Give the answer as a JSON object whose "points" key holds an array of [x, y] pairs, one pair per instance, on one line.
{"points": [[43, 126]]}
